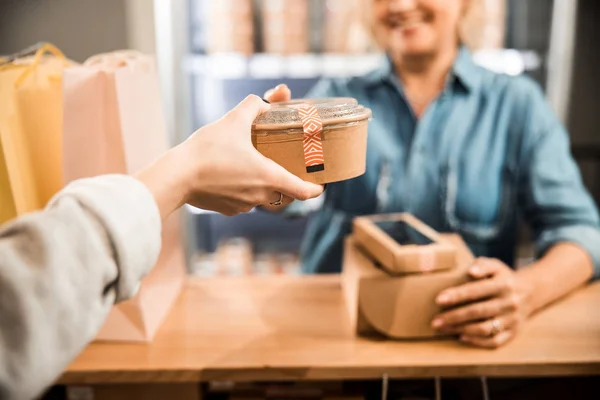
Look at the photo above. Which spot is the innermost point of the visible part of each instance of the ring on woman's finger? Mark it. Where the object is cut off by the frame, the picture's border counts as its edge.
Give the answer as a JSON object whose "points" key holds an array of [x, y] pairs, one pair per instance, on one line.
{"points": [[496, 327], [278, 202]]}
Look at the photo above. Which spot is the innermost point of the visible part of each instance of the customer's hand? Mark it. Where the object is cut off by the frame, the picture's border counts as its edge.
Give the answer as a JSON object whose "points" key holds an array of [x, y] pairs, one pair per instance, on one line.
{"points": [[487, 312], [219, 169]]}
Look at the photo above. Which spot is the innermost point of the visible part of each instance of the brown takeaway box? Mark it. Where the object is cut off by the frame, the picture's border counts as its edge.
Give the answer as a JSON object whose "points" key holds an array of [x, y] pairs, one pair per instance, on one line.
{"points": [[318, 140], [400, 307], [402, 244]]}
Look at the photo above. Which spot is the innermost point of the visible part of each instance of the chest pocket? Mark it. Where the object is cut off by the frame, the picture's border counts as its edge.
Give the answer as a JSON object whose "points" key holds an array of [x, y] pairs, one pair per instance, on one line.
{"points": [[479, 202]]}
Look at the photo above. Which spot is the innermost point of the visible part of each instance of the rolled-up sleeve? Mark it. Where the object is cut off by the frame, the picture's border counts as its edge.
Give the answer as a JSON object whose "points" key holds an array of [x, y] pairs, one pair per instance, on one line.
{"points": [[62, 269], [557, 204]]}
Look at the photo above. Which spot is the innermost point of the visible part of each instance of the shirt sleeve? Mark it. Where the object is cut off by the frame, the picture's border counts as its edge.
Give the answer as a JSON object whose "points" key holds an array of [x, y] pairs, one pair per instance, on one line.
{"points": [[324, 88], [557, 205], [61, 271]]}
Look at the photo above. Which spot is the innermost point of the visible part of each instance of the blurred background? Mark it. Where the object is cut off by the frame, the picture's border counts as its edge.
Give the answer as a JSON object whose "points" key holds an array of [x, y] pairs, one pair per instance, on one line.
{"points": [[212, 53]]}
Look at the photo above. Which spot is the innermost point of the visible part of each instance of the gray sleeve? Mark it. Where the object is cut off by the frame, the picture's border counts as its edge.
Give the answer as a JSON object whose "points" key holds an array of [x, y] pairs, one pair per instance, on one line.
{"points": [[62, 269]]}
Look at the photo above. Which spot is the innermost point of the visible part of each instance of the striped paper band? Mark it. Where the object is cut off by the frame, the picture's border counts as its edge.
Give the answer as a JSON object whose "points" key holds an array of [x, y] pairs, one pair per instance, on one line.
{"points": [[313, 146]]}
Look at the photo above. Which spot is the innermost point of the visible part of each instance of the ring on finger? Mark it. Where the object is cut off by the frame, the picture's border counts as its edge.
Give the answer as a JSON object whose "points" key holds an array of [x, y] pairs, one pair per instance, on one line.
{"points": [[278, 202], [496, 327]]}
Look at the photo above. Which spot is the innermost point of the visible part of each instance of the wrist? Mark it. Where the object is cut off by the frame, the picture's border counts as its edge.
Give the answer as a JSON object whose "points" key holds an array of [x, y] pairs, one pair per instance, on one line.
{"points": [[525, 290], [167, 181], [532, 284]]}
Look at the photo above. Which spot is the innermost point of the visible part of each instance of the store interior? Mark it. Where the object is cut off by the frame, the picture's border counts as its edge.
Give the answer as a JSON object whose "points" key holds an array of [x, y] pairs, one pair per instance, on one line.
{"points": [[210, 55], [213, 54]]}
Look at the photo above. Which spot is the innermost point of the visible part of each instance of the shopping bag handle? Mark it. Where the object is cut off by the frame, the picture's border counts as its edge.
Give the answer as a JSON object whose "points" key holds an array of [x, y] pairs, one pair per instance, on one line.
{"points": [[120, 58], [44, 48], [28, 51]]}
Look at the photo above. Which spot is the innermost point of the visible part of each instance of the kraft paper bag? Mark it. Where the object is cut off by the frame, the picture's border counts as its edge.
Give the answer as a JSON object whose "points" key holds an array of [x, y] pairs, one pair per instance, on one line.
{"points": [[114, 123], [113, 115], [30, 130]]}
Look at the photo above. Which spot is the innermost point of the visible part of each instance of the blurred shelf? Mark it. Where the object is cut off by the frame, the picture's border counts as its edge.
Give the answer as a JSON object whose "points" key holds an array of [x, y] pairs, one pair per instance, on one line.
{"points": [[306, 66], [272, 66], [508, 61]]}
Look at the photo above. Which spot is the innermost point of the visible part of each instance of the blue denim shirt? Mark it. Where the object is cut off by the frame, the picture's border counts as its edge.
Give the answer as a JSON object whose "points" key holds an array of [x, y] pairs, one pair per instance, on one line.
{"points": [[488, 154]]}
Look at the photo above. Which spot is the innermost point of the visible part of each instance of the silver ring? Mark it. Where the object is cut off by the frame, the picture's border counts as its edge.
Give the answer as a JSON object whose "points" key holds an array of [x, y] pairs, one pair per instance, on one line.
{"points": [[278, 202], [496, 327]]}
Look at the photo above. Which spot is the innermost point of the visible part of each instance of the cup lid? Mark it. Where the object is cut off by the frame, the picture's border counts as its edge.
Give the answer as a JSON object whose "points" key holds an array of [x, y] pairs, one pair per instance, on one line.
{"points": [[331, 111]]}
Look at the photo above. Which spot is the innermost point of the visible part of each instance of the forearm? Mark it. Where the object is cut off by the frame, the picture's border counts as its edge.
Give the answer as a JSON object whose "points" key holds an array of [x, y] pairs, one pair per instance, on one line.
{"points": [[61, 270], [563, 269]]}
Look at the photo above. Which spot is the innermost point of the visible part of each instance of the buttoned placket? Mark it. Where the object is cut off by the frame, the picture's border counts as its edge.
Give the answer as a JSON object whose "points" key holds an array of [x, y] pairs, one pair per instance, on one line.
{"points": [[408, 195]]}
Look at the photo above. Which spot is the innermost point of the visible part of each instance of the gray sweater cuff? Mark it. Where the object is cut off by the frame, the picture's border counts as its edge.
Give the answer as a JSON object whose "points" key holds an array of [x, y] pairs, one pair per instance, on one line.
{"points": [[127, 210]]}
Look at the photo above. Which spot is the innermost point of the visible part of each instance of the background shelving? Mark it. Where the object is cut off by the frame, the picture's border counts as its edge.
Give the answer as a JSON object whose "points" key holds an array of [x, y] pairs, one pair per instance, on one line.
{"points": [[219, 80]]}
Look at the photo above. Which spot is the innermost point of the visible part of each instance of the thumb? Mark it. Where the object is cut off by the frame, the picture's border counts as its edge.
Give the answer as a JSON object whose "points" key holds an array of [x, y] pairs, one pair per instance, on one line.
{"points": [[279, 94], [247, 111], [484, 268]]}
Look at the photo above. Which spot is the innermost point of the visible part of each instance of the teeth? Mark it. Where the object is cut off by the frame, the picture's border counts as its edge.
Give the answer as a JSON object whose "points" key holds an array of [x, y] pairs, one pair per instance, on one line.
{"points": [[406, 23]]}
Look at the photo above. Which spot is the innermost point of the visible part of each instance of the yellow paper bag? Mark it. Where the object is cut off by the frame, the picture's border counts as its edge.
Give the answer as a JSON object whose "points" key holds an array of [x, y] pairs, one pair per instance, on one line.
{"points": [[30, 131]]}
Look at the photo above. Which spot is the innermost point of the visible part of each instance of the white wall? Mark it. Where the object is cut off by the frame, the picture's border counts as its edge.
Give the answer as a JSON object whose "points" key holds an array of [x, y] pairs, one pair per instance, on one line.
{"points": [[140, 25]]}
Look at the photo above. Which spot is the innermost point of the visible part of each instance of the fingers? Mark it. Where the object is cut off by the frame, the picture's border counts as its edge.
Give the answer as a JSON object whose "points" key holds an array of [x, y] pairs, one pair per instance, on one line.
{"points": [[223, 205], [486, 328], [275, 198], [247, 111], [492, 342], [474, 312], [486, 267], [290, 185], [278, 94], [472, 291]]}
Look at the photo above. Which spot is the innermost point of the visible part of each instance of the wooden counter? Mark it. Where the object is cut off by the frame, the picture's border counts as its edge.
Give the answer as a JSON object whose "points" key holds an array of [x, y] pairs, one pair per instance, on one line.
{"points": [[283, 328]]}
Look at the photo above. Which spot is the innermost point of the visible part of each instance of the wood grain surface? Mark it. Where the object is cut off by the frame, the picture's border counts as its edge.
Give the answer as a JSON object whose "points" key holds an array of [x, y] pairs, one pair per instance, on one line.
{"points": [[296, 328]]}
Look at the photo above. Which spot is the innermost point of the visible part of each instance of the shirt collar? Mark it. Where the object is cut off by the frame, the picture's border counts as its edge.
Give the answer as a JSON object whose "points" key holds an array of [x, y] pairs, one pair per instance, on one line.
{"points": [[463, 71]]}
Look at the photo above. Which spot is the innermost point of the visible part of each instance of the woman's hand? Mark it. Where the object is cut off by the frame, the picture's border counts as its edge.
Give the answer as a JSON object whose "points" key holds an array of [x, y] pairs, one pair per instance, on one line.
{"points": [[278, 94], [219, 169], [487, 312]]}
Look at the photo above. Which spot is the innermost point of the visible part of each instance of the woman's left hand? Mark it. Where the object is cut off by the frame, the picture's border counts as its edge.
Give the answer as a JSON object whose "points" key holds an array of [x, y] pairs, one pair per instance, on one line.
{"points": [[487, 312]]}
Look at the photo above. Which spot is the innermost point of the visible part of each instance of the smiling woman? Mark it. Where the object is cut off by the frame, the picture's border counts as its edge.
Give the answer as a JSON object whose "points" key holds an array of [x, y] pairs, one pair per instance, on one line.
{"points": [[481, 23], [465, 150]]}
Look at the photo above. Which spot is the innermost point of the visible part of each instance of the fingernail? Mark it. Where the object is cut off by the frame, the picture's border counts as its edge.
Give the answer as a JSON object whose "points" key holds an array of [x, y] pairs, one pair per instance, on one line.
{"points": [[437, 323], [443, 298], [280, 86], [266, 101], [463, 338], [475, 270]]}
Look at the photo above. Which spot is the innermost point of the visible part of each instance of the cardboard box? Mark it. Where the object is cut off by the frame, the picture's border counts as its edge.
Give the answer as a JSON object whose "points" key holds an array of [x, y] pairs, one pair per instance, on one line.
{"points": [[320, 141], [299, 7], [231, 6], [230, 27], [400, 307], [286, 44], [402, 244], [243, 44]]}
